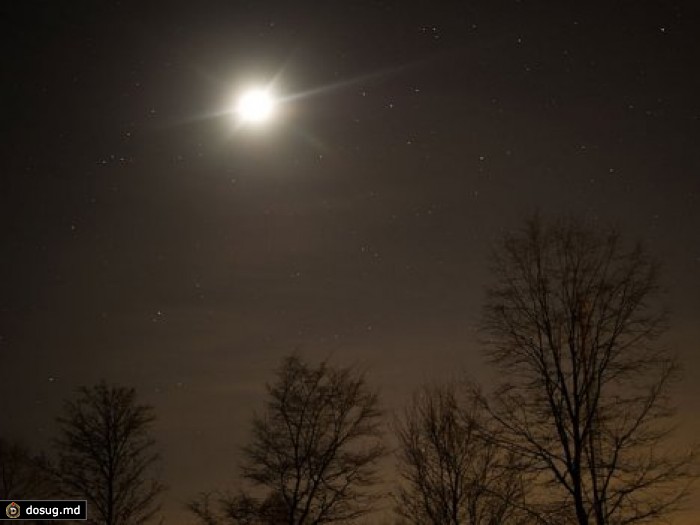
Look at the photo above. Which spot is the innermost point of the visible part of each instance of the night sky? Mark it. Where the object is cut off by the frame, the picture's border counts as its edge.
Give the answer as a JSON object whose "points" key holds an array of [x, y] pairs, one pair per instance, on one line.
{"points": [[149, 240]]}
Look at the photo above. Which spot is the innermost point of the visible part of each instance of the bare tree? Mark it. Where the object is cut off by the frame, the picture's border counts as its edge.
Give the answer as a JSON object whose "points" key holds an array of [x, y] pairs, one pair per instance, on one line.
{"points": [[316, 446], [105, 454], [22, 475], [573, 331], [451, 474]]}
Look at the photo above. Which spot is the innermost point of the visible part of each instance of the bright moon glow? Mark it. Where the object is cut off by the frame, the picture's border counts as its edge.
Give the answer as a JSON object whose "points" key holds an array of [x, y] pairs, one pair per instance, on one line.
{"points": [[255, 106]]}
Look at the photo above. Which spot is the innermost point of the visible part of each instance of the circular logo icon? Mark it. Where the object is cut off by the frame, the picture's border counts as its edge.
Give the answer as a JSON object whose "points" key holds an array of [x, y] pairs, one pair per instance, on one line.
{"points": [[12, 510]]}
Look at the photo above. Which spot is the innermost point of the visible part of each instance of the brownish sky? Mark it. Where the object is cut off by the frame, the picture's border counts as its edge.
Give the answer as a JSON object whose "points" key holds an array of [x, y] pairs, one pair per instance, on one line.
{"points": [[146, 242]]}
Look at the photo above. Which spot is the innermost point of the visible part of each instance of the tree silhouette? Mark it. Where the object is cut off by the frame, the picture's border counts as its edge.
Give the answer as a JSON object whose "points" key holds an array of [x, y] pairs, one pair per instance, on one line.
{"points": [[572, 328], [105, 454], [313, 451], [22, 475], [451, 474], [317, 443]]}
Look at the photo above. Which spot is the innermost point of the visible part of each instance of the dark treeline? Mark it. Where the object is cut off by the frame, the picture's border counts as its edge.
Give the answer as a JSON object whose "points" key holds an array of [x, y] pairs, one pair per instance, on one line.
{"points": [[576, 431], [103, 453]]}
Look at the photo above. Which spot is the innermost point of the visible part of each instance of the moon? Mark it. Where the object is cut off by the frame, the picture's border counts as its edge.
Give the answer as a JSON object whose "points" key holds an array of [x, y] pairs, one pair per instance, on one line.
{"points": [[255, 106]]}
